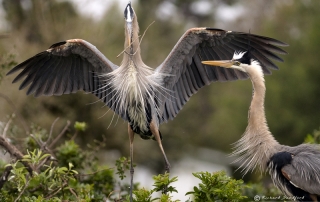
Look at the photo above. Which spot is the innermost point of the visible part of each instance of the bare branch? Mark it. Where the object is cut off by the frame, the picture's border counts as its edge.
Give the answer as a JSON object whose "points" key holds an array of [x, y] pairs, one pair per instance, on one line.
{"points": [[23, 122], [50, 134], [74, 135], [71, 190], [14, 152], [4, 133], [60, 135]]}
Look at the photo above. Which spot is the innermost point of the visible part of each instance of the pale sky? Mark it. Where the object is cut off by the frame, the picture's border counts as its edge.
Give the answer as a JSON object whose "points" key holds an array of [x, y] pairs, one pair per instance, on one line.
{"points": [[96, 8]]}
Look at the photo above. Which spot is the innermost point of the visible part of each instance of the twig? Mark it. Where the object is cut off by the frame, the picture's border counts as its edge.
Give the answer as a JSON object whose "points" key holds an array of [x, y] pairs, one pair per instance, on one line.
{"points": [[24, 188], [54, 192], [43, 162], [136, 39], [74, 135], [127, 47], [71, 190], [23, 122], [4, 133], [51, 129], [60, 135], [143, 35]]}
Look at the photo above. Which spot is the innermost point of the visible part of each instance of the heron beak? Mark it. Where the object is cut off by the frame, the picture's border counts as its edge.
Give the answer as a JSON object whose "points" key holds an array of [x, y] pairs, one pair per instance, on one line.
{"points": [[129, 32], [219, 63]]}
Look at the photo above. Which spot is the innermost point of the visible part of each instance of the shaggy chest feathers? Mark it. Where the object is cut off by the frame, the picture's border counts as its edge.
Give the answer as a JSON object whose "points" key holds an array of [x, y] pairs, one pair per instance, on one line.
{"points": [[135, 97]]}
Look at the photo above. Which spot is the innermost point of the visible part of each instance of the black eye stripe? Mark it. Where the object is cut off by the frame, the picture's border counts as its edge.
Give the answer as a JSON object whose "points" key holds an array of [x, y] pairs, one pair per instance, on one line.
{"points": [[245, 59], [130, 10]]}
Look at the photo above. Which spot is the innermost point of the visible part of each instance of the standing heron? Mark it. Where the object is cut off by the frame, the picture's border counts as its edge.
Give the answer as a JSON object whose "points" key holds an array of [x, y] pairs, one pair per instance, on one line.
{"points": [[143, 96], [294, 170]]}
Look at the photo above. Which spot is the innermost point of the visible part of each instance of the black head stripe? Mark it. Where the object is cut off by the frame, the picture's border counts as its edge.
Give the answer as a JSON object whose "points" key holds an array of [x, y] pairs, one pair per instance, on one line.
{"points": [[128, 12], [246, 58]]}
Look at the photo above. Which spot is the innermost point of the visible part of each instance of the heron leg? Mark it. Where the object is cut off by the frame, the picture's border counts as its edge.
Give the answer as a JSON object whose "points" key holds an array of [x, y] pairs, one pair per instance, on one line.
{"points": [[155, 131], [131, 137]]}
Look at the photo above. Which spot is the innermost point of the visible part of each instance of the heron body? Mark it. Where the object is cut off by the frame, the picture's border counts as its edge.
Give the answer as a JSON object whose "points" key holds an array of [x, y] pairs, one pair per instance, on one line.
{"points": [[294, 170], [143, 96]]}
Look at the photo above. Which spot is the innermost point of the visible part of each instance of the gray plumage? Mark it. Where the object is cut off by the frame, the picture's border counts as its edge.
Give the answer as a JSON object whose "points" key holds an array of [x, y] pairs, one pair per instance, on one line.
{"points": [[294, 170], [143, 96]]}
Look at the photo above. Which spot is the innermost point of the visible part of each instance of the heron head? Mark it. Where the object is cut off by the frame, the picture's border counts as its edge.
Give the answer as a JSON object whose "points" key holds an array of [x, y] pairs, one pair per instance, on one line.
{"points": [[129, 16], [240, 61]]}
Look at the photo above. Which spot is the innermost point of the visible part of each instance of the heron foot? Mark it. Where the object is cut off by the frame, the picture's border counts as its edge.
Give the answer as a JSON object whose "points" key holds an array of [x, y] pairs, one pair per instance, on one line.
{"points": [[167, 168]]}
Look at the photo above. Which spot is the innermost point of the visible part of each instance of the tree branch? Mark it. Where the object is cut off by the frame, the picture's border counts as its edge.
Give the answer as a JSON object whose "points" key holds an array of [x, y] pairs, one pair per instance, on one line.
{"points": [[60, 135], [51, 129], [14, 152]]}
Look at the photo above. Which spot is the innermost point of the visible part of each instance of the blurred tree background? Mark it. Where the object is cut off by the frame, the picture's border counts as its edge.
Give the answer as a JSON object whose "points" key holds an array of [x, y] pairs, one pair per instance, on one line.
{"points": [[213, 118]]}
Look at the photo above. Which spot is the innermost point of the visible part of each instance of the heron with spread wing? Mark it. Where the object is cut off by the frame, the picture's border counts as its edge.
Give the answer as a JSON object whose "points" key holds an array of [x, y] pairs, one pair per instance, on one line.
{"points": [[294, 170], [143, 96]]}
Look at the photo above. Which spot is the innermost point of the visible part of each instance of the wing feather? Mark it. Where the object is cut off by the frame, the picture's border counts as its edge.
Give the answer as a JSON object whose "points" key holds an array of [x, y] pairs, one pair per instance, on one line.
{"points": [[67, 67], [184, 74], [304, 170]]}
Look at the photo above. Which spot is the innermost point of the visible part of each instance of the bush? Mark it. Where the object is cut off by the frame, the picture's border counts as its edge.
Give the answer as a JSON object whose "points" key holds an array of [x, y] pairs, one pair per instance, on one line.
{"points": [[69, 173]]}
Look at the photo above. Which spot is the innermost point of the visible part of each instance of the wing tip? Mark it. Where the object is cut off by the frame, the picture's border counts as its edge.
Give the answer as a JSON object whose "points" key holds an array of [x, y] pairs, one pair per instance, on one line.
{"points": [[16, 68]]}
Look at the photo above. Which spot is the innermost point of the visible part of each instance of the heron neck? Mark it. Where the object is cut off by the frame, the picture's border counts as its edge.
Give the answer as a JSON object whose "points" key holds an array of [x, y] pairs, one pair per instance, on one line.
{"points": [[257, 117], [257, 129], [132, 49], [257, 145]]}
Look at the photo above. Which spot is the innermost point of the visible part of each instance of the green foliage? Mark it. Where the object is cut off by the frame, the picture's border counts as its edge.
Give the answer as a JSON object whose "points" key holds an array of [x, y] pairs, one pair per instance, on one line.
{"points": [[162, 183], [122, 164], [255, 191], [69, 151], [143, 195], [75, 174], [217, 187], [47, 182], [7, 62], [314, 138], [80, 126]]}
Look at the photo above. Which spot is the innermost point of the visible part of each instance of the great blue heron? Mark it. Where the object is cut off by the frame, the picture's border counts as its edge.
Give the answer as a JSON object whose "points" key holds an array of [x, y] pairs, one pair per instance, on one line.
{"points": [[294, 170], [140, 95]]}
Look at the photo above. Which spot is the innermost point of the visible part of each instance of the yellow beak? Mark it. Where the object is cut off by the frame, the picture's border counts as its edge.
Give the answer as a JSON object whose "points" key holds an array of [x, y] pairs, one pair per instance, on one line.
{"points": [[219, 63], [129, 32]]}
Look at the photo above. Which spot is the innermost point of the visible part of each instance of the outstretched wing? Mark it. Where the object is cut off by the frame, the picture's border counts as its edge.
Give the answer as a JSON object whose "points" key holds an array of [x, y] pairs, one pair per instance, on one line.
{"points": [[67, 67], [183, 74], [304, 170]]}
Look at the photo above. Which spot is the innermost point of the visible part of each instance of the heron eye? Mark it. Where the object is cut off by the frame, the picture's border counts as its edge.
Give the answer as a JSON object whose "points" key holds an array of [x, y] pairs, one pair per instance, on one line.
{"points": [[237, 63]]}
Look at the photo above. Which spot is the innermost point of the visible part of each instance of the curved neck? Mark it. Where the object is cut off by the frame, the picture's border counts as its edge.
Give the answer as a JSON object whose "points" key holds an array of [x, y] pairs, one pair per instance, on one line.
{"points": [[257, 145], [257, 117]]}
